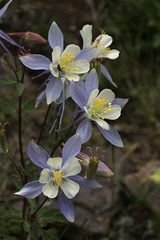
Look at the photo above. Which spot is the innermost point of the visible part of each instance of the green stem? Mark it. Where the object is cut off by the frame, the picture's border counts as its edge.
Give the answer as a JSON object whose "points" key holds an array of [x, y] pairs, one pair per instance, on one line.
{"points": [[17, 168], [20, 130], [69, 132], [38, 208], [44, 122]]}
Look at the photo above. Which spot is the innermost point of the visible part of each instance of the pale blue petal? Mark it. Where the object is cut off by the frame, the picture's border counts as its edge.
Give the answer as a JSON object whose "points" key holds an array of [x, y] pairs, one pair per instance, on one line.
{"points": [[36, 62], [53, 89], [55, 36], [120, 101], [78, 93], [10, 40], [5, 49], [112, 136], [37, 155], [71, 148], [85, 130], [2, 10], [40, 97], [85, 183], [31, 189], [66, 207], [92, 81], [105, 72], [86, 54]]}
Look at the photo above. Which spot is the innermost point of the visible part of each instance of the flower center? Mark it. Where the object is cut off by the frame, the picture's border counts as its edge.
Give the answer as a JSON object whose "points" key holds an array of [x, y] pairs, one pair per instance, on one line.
{"points": [[100, 107], [65, 61], [96, 44], [58, 176]]}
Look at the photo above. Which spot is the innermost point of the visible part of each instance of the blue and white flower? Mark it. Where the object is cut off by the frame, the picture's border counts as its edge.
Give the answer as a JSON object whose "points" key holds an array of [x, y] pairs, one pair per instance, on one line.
{"points": [[102, 43], [66, 65], [97, 107], [59, 175]]}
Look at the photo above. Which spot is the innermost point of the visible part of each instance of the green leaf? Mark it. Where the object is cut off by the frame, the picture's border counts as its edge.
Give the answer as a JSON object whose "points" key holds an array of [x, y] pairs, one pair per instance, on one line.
{"points": [[8, 81], [27, 226], [17, 183], [19, 74], [25, 117], [32, 203], [52, 215], [8, 104], [29, 105], [50, 234], [14, 215], [20, 88]]}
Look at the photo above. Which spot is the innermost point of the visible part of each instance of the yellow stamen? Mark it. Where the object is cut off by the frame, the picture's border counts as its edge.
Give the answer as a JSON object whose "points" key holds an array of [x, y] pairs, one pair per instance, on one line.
{"points": [[58, 176], [96, 44], [64, 62], [99, 107]]}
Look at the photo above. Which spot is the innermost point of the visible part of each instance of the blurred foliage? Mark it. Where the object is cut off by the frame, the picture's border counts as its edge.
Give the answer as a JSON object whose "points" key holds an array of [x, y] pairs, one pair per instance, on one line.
{"points": [[156, 176], [134, 25]]}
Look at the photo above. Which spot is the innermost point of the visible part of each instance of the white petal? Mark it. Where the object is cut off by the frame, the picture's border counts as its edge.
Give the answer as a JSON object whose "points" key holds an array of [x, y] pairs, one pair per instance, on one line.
{"points": [[73, 49], [113, 54], [72, 77], [54, 70], [114, 114], [46, 176], [56, 54], [86, 34], [72, 167], [87, 113], [106, 40], [81, 65], [55, 163], [50, 190], [92, 96], [100, 53], [70, 188], [108, 94], [102, 123]]}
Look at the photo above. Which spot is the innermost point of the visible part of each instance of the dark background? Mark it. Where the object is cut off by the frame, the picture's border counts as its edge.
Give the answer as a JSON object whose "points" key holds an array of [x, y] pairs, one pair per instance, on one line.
{"points": [[128, 206]]}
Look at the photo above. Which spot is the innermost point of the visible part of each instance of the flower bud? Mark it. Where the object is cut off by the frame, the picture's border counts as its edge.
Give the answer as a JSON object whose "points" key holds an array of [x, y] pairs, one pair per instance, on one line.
{"points": [[3, 139], [94, 165], [30, 36], [8, 60]]}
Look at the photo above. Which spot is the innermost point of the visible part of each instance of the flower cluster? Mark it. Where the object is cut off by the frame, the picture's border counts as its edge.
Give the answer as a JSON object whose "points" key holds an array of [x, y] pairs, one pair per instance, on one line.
{"points": [[72, 73]]}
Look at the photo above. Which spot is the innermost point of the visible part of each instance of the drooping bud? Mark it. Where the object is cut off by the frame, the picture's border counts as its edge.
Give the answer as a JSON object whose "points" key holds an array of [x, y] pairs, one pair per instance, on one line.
{"points": [[8, 60], [3, 138], [30, 36], [94, 165]]}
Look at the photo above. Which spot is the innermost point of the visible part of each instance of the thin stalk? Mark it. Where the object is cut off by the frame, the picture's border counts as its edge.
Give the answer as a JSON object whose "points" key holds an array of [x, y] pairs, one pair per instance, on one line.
{"points": [[44, 122], [20, 130], [16, 166], [69, 132], [38, 208]]}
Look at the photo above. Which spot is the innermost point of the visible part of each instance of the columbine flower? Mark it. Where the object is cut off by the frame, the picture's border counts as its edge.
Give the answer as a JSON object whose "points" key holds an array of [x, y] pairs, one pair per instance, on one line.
{"points": [[59, 175], [97, 107], [102, 43], [4, 35], [66, 64]]}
